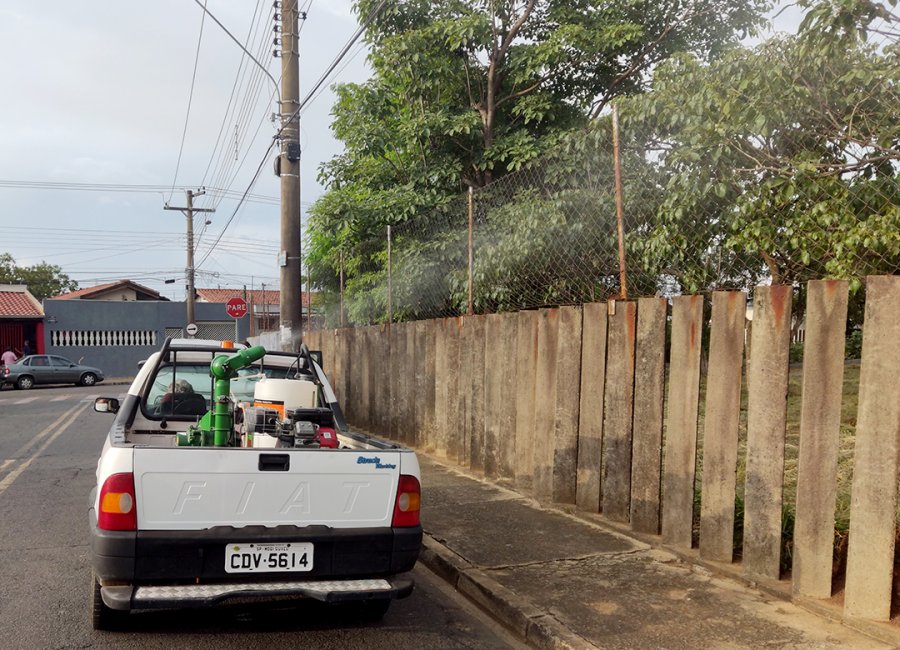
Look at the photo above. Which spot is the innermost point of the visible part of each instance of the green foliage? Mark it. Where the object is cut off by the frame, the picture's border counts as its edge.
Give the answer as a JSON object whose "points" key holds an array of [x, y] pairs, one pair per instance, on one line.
{"points": [[853, 346], [787, 154], [43, 280], [465, 92]]}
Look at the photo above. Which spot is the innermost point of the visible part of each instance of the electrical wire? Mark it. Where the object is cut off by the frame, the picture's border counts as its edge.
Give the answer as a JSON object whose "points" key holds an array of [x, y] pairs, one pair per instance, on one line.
{"points": [[306, 100], [128, 188], [232, 95], [190, 101], [239, 113]]}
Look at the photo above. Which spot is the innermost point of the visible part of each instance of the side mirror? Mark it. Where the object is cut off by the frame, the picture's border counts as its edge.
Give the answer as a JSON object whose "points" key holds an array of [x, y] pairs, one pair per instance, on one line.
{"points": [[106, 405], [72, 365]]}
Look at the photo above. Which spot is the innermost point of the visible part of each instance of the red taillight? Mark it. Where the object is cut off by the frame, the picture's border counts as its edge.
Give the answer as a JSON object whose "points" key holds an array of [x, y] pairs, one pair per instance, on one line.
{"points": [[406, 508], [117, 509]]}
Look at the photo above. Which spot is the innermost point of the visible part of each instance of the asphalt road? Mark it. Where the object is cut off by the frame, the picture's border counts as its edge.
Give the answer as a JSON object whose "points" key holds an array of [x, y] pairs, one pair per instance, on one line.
{"points": [[50, 439]]}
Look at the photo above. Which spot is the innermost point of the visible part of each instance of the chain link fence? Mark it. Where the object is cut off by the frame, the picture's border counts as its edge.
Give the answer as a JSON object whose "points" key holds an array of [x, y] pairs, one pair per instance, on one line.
{"points": [[777, 164]]}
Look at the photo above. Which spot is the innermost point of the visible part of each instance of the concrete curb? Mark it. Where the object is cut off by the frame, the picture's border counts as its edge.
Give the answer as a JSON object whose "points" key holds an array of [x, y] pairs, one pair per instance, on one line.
{"points": [[538, 628]]}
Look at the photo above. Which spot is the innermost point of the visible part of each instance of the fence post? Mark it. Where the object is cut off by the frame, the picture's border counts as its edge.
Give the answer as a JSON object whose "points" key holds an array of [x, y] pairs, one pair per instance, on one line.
{"points": [[820, 434], [649, 388], [471, 307], [767, 384], [623, 280], [721, 425], [390, 306], [870, 556], [342, 287], [615, 493]]}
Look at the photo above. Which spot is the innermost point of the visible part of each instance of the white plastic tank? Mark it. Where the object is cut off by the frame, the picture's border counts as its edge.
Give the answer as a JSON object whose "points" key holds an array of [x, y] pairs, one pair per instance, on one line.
{"points": [[285, 394]]}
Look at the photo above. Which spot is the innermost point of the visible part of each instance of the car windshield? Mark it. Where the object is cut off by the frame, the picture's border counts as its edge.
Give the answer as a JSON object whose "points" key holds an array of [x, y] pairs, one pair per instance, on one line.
{"points": [[184, 389]]}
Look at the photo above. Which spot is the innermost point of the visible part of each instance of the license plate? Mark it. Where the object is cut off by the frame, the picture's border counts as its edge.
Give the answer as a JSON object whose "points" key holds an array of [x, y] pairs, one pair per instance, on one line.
{"points": [[270, 557]]}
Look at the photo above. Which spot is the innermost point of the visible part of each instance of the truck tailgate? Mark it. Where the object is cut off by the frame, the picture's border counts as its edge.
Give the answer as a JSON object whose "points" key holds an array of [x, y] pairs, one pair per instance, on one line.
{"points": [[186, 488]]}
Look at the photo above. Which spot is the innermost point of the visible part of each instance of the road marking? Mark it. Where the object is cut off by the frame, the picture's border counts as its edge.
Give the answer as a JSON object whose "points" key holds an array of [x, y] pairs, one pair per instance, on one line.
{"points": [[61, 398], [71, 414], [25, 401], [6, 463]]}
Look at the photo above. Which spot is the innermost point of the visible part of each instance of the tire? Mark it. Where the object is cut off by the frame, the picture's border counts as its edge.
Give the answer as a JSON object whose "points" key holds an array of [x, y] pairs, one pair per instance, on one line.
{"points": [[24, 382], [88, 379], [102, 617]]}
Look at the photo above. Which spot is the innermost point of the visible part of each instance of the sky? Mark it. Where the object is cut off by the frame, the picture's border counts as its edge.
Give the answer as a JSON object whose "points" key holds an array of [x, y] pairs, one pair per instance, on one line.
{"points": [[98, 93]]}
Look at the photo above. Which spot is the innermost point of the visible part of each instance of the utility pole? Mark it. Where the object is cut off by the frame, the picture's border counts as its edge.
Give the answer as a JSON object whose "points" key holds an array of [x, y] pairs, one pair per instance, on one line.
{"points": [[289, 166], [189, 271]]}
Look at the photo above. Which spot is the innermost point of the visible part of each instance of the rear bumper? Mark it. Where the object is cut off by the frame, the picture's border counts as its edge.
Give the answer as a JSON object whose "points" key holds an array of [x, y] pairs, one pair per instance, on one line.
{"points": [[191, 564], [128, 597]]}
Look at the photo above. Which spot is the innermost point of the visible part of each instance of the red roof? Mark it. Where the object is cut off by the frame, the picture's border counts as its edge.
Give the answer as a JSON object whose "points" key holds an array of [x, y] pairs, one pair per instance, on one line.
{"points": [[101, 288], [17, 302], [84, 292], [256, 296]]}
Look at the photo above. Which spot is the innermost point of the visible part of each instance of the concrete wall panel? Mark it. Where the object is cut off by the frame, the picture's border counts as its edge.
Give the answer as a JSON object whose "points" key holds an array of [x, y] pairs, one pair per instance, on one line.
{"points": [[590, 416], [545, 403], [681, 420], [568, 395], [442, 370], [767, 381], [617, 410], [493, 380], [649, 368], [721, 421], [820, 431], [421, 378], [507, 434], [450, 432], [526, 369], [873, 508], [475, 421]]}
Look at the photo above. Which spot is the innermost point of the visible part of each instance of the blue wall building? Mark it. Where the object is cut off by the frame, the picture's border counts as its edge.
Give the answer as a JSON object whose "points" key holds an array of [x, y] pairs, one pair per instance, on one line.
{"points": [[115, 335]]}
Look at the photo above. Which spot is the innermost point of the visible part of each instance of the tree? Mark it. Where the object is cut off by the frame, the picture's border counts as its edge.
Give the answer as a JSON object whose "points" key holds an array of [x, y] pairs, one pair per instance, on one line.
{"points": [[788, 154], [464, 92], [43, 280]]}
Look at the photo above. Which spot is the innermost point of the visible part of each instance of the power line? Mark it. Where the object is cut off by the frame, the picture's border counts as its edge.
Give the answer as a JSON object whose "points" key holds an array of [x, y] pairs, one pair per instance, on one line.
{"points": [[231, 96], [190, 101], [343, 52], [128, 188]]}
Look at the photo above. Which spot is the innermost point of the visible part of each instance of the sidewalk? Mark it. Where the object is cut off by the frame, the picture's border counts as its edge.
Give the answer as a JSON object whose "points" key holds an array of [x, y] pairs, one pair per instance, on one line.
{"points": [[559, 581]]}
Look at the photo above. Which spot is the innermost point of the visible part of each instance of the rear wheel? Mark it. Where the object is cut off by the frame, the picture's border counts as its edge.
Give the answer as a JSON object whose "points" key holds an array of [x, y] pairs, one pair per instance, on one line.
{"points": [[88, 379], [24, 382], [102, 617]]}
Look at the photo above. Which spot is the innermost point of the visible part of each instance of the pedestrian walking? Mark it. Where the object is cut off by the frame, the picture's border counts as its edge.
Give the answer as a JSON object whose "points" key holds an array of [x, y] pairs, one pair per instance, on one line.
{"points": [[8, 357]]}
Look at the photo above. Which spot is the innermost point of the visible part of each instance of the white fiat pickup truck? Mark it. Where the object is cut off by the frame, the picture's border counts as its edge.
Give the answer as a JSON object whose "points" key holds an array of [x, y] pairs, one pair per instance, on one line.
{"points": [[229, 472]]}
